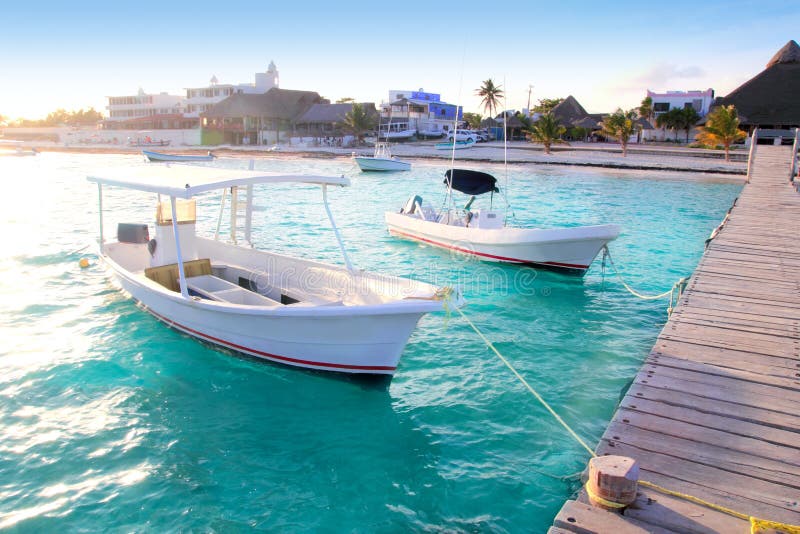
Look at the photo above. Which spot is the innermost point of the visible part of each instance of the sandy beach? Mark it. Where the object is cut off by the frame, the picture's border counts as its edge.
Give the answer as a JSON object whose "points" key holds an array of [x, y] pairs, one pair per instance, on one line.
{"points": [[703, 164]]}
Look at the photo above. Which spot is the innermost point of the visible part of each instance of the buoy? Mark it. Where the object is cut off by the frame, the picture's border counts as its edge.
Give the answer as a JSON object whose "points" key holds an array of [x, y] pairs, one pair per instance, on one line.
{"points": [[84, 263]]}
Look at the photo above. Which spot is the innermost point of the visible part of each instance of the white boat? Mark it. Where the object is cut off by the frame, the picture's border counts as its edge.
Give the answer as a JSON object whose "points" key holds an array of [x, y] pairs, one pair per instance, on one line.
{"points": [[160, 156], [280, 308], [459, 145], [382, 160], [432, 133], [398, 134], [18, 149], [484, 234]]}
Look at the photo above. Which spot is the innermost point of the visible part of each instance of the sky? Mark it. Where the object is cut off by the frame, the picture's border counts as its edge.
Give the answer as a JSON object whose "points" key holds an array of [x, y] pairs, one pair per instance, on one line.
{"points": [[73, 55]]}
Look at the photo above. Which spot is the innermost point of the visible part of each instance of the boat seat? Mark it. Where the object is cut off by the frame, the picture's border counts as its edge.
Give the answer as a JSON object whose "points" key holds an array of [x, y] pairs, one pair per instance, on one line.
{"points": [[167, 275], [212, 288]]}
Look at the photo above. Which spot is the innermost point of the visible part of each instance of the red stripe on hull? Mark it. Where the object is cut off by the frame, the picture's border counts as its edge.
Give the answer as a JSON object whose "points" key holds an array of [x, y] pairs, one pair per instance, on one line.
{"points": [[267, 355], [486, 255]]}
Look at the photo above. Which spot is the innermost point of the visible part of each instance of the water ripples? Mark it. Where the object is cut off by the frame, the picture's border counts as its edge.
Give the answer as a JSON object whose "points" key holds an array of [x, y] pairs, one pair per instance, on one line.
{"points": [[109, 420]]}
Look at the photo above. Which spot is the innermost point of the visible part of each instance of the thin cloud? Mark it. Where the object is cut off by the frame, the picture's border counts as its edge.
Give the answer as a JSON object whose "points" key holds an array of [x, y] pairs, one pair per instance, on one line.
{"points": [[662, 76]]}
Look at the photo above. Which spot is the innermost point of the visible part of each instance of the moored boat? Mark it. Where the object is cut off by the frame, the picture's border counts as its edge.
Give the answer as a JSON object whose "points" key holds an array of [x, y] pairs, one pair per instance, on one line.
{"points": [[458, 145], [160, 156], [289, 310], [382, 160], [483, 233]]}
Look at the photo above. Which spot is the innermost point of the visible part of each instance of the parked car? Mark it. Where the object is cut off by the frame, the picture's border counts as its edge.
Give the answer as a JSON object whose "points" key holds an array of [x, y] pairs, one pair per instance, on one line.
{"points": [[482, 136], [463, 135]]}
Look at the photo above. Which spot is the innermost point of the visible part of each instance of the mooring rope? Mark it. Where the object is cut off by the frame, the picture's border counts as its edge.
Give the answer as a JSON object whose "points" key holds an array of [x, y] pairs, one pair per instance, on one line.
{"points": [[756, 524], [676, 287]]}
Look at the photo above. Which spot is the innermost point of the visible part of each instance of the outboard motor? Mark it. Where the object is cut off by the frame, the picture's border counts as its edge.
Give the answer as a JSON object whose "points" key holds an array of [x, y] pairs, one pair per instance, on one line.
{"points": [[411, 205]]}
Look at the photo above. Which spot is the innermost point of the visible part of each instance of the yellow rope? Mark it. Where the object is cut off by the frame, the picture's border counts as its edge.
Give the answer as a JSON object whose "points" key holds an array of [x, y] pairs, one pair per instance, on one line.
{"points": [[604, 502], [525, 383], [756, 524]]}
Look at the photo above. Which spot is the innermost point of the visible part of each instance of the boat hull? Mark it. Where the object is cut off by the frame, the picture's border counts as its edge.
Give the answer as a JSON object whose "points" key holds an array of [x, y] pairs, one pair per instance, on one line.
{"points": [[347, 339], [367, 163], [459, 145], [564, 249], [158, 156]]}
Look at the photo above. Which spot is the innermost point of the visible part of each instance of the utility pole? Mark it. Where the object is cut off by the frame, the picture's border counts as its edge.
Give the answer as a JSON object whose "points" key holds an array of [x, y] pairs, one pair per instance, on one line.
{"points": [[530, 88]]}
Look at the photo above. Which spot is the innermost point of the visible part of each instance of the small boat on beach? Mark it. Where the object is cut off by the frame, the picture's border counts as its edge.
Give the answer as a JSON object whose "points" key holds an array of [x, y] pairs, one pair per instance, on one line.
{"points": [[160, 156], [382, 160], [484, 234], [17, 148], [290, 310], [458, 145]]}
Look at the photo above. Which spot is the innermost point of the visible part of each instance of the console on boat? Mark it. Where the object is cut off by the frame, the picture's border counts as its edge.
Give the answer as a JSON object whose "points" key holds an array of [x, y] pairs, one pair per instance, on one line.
{"points": [[484, 233], [286, 309]]}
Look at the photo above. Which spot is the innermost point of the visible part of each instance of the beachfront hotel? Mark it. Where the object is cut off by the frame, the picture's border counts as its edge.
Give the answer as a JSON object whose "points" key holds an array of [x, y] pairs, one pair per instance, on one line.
{"points": [[163, 111]]}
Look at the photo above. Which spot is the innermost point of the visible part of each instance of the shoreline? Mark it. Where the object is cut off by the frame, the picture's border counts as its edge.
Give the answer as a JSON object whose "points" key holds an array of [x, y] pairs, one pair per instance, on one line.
{"points": [[603, 156]]}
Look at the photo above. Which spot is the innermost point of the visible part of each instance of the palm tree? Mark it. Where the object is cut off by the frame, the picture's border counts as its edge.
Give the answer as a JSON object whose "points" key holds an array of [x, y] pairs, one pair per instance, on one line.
{"points": [[473, 120], [646, 108], [357, 121], [620, 125], [491, 96], [546, 130], [687, 118], [721, 128], [671, 120]]}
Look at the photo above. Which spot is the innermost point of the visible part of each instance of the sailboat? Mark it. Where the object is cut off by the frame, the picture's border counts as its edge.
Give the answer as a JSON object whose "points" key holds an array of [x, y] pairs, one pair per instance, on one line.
{"points": [[484, 233]]}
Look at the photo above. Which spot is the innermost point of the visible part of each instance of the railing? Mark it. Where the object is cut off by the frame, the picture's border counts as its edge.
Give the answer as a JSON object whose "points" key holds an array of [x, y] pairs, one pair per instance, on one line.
{"points": [[793, 170], [753, 143]]}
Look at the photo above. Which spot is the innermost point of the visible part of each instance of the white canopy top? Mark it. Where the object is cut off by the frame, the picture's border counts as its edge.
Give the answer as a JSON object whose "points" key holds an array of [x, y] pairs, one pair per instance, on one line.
{"points": [[186, 181]]}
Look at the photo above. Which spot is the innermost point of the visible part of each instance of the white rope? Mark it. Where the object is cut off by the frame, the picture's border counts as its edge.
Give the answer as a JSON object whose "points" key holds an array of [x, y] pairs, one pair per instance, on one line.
{"points": [[679, 285]]}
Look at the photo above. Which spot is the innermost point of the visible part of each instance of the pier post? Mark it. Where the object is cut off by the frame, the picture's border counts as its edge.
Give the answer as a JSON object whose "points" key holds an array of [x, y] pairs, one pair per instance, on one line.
{"points": [[613, 481]]}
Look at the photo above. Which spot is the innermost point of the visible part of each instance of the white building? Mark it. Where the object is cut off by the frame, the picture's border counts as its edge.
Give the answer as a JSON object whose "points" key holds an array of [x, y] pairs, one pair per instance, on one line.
{"points": [[418, 111], [165, 111], [201, 99], [144, 110], [700, 100]]}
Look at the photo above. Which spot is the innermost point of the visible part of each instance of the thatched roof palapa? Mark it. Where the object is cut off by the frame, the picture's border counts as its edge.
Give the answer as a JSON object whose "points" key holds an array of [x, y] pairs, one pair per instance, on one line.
{"points": [[771, 97], [274, 104], [332, 113]]}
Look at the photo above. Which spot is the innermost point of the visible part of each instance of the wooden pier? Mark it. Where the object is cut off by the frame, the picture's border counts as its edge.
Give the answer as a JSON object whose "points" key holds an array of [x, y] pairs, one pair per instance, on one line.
{"points": [[714, 412]]}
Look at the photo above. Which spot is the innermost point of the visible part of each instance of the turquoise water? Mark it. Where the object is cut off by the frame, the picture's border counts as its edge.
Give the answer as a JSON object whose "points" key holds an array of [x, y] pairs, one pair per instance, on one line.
{"points": [[111, 421]]}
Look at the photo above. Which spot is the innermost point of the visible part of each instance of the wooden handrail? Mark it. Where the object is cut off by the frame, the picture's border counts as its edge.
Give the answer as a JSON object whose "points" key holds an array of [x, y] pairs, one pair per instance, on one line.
{"points": [[793, 170], [753, 143]]}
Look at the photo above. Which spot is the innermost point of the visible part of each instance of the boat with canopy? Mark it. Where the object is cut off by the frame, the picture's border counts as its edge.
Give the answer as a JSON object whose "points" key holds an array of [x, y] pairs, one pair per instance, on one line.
{"points": [[285, 309], [484, 233]]}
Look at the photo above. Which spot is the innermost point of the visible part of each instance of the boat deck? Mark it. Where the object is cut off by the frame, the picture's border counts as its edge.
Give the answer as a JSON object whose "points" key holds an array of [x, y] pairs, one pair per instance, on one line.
{"points": [[714, 411]]}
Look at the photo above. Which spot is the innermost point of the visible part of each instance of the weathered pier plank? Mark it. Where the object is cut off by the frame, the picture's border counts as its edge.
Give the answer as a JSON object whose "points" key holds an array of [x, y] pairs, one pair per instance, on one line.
{"points": [[714, 412]]}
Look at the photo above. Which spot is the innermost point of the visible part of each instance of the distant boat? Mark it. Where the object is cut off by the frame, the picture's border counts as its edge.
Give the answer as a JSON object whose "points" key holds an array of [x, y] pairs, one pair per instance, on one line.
{"points": [[160, 156], [18, 150], [398, 134], [382, 160], [429, 134], [448, 145]]}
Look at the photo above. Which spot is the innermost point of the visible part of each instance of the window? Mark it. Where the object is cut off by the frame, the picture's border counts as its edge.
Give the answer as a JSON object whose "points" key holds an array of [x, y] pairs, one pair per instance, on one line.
{"points": [[660, 107]]}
